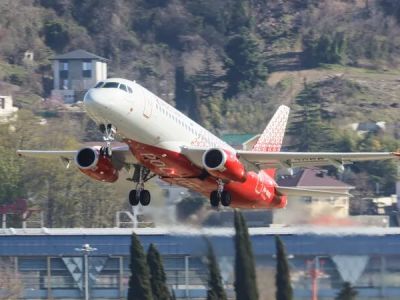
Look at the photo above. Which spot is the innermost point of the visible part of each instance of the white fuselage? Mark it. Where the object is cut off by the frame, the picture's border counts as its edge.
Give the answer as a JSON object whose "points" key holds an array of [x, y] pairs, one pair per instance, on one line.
{"points": [[141, 116]]}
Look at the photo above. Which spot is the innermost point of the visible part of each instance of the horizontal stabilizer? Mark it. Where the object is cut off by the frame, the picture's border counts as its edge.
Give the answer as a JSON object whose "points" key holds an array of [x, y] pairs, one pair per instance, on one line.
{"points": [[291, 191]]}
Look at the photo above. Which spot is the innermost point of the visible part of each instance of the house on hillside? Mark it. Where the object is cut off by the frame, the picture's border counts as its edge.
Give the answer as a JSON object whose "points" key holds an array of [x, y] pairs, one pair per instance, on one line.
{"points": [[7, 109], [75, 72], [368, 127], [306, 209]]}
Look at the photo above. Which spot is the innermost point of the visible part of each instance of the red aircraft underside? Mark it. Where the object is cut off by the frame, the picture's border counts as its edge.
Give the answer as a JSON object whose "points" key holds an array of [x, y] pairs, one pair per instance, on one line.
{"points": [[258, 191]]}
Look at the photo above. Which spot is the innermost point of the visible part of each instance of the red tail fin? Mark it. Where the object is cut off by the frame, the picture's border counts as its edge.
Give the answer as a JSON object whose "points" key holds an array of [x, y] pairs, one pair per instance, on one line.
{"points": [[272, 137]]}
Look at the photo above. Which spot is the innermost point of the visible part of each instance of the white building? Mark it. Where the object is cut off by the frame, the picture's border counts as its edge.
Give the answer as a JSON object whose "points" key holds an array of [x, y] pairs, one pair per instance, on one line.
{"points": [[314, 209], [75, 72], [7, 109]]}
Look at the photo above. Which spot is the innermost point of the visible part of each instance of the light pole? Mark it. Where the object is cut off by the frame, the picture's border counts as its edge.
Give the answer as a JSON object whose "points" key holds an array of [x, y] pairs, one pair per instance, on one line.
{"points": [[86, 249]]}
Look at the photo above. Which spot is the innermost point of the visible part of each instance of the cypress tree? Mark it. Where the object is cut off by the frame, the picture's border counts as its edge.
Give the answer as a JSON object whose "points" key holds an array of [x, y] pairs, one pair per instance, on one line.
{"points": [[207, 79], [186, 98], [347, 292], [215, 287], [180, 89], [311, 134], [157, 275], [139, 282], [282, 278], [245, 273]]}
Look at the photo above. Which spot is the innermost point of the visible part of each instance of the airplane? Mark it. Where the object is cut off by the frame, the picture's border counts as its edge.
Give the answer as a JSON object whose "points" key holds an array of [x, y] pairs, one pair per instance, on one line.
{"points": [[158, 140]]}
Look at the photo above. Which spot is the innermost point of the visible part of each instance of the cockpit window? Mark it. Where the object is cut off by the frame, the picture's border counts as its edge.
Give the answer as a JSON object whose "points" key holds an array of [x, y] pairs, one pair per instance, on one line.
{"points": [[123, 87], [111, 85], [130, 90], [98, 85]]}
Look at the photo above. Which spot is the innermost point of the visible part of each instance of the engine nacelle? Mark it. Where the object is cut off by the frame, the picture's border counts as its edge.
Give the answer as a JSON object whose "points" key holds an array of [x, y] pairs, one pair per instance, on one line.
{"points": [[96, 165], [279, 200], [224, 165]]}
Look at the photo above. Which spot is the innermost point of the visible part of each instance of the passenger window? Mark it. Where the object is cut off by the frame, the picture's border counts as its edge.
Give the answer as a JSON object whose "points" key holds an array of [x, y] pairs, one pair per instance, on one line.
{"points": [[130, 90], [99, 84], [123, 87], [111, 85]]}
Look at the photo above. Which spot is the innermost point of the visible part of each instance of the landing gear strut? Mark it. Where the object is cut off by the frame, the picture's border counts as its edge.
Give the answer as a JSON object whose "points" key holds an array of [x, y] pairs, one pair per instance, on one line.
{"points": [[220, 196], [140, 195], [109, 132]]}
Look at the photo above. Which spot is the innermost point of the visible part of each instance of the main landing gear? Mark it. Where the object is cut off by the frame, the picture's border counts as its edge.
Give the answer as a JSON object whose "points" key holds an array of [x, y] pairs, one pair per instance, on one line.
{"points": [[108, 132], [140, 195], [220, 196]]}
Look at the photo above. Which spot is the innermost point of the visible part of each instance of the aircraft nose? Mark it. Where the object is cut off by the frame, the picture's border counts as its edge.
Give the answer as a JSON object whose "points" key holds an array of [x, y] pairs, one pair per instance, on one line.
{"points": [[96, 102]]}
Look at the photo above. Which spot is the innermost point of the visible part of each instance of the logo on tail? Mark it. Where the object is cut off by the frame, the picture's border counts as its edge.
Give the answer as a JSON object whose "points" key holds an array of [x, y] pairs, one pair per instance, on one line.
{"points": [[272, 137]]}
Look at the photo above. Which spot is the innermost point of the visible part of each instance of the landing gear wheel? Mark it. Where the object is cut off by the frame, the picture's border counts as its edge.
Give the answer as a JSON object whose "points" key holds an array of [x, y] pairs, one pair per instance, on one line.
{"points": [[226, 198], [214, 199], [145, 197], [108, 151], [133, 199]]}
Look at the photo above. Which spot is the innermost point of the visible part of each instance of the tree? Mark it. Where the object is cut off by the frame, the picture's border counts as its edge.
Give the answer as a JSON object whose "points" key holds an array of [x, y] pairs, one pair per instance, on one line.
{"points": [[311, 134], [10, 172], [245, 64], [56, 35], [157, 275], [282, 278], [240, 17], [186, 97], [180, 89], [326, 48], [139, 282], [347, 292], [207, 79], [245, 273], [215, 287]]}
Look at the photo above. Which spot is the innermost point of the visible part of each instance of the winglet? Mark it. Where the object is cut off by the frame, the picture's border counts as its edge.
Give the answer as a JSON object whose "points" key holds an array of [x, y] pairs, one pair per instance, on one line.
{"points": [[272, 137]]}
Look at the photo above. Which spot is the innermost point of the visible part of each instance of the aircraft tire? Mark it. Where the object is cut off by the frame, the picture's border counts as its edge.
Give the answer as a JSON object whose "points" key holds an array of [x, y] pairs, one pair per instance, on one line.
{"points": [[214, 199], [109, 151], [145, 197], [133, 200], [226, 198]]}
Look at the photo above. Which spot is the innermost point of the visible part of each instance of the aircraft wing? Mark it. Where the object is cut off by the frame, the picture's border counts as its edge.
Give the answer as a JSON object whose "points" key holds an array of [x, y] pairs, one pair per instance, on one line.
{"points": [[64, 154], [294, 191], [264, 160], [307, 159], [121, 155]]}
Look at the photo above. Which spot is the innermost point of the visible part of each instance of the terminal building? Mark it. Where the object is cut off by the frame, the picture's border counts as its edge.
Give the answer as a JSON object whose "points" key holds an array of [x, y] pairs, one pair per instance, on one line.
{"points": [[48, 263]]}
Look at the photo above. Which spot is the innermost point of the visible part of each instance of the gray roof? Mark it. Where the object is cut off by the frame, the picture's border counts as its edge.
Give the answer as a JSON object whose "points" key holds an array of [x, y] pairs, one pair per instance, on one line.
{"points": [[79, 54], [313, 177]]}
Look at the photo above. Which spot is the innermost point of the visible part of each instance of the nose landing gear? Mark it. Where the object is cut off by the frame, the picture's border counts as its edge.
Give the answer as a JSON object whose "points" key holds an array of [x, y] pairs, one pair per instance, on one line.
{"points": [[109, 132]]}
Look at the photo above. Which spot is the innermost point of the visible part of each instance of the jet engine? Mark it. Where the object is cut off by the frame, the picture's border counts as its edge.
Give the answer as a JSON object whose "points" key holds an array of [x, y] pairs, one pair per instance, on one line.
{"points": [[96, 165], [279, 200], [224, 165]]}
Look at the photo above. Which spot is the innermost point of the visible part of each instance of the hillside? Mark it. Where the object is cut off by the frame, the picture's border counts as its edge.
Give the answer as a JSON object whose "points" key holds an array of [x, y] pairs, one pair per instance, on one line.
{"points": [[148, 40], [228, 64]]}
